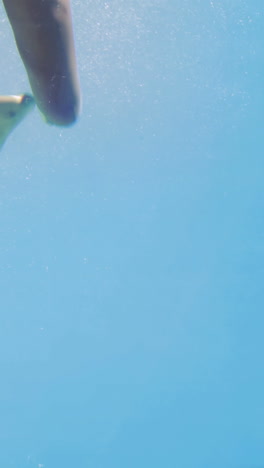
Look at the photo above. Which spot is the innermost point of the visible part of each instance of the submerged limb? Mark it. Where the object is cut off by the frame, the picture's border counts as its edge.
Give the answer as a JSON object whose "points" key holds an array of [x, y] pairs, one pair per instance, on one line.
{"points": [[44, 37]]}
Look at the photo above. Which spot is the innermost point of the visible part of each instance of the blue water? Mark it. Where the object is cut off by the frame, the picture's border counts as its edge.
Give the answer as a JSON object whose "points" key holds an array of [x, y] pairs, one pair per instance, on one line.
{"points": [[132, 246]]}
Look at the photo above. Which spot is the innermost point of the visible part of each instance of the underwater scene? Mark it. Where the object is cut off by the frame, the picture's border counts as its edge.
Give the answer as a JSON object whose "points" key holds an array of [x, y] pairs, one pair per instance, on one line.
{"points": [[132, 243]]}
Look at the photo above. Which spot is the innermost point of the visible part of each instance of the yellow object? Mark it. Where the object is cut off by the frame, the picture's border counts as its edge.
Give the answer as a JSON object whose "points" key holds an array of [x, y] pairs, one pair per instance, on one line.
{"points": [[13, 109]]}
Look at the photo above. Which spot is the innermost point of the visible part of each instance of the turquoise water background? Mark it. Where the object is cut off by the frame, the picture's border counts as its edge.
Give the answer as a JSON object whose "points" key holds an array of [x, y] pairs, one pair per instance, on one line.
{"points": [[132, 246]]}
